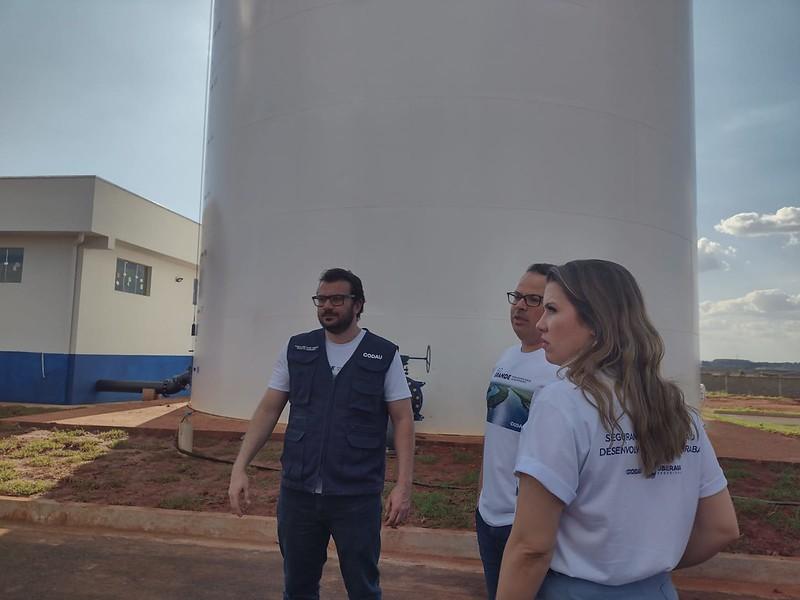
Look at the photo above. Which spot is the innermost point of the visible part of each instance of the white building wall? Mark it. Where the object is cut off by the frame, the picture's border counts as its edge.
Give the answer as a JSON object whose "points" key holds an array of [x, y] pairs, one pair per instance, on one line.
{"points": [[72, 230], [35, 315], [46, 204], [120, 214], [114, 322]]}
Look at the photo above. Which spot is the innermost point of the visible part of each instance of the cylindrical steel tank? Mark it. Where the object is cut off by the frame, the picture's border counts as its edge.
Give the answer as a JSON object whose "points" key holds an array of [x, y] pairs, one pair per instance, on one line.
{"points": [[436, 148]]}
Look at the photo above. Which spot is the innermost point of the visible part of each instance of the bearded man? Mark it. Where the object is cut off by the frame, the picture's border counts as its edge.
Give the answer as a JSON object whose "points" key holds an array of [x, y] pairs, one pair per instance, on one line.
{"points": [[341, 382]]}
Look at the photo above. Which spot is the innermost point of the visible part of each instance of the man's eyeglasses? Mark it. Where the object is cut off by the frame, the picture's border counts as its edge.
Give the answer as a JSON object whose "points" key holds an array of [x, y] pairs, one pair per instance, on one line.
{"points": [[335, 299], [531, 300]]}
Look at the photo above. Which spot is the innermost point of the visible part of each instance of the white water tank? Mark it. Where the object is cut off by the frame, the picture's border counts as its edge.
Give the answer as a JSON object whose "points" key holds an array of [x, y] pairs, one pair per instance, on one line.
{"points": [[436, 148]]}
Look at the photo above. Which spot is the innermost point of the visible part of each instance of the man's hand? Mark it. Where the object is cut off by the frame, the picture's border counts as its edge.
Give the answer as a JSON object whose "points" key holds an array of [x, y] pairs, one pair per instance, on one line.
{"points": [[239, 489], [258, 432], [398, 505]]}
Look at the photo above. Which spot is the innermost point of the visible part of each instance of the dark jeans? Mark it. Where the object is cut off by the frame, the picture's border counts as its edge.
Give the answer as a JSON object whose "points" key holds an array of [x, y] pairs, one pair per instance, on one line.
{"points": [[305, 524], [491, 543], [560, 587]]}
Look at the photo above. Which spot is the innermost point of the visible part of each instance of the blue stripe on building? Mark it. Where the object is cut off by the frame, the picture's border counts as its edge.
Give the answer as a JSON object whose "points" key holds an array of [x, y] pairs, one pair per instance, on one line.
{"points": [[50, 378]]}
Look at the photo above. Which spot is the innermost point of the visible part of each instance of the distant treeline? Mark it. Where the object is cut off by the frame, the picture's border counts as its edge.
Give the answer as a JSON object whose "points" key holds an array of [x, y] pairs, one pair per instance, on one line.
{"points": [[735, 365]]}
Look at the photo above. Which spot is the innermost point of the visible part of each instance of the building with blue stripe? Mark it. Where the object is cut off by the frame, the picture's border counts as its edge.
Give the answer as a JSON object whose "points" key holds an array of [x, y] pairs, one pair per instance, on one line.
{"points": [[95, 283]]}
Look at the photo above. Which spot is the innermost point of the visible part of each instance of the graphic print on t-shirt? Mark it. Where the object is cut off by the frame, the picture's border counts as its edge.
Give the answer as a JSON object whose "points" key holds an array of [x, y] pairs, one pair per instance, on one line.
{"points": [[507, 406]]}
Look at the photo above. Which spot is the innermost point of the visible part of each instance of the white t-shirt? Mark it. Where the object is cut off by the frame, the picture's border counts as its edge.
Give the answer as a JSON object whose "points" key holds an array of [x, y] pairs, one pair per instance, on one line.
{"points": [[395, 386], [617, 525], [517, 378]]}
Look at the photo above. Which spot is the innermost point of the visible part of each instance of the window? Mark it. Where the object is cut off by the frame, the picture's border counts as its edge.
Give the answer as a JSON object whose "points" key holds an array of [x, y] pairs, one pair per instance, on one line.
{"points": [[132, 278], [11, 265]]}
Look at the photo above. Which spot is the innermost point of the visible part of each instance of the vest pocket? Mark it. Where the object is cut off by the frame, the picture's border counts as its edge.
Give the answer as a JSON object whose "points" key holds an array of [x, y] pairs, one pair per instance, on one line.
{"points": [[302, 395], [367, 395], [292, 457], [362, 457], [301, 378], [364, 440]]}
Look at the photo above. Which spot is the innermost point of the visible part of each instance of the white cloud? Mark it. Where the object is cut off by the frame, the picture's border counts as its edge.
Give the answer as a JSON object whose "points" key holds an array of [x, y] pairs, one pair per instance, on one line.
{"points": [[771, 304], [786, 220], [763, 325], [711, 255]]}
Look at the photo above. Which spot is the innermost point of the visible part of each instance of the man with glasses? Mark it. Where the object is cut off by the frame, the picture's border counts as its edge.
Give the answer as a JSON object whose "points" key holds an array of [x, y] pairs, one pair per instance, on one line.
{"points": [[519, 374], [341, 382]]}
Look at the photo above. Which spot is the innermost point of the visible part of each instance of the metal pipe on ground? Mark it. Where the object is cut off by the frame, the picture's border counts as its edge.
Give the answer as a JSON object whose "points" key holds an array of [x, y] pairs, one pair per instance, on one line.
{"points": [[171, 385]]}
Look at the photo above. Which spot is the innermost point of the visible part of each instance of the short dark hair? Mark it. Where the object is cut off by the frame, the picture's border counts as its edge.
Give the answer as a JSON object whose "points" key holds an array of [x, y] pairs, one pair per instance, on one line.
{"points": [[356, 287], [540, 268]]}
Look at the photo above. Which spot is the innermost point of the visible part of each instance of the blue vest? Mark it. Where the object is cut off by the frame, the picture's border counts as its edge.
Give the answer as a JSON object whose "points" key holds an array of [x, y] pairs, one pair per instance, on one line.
{"points": [[337, 426]]}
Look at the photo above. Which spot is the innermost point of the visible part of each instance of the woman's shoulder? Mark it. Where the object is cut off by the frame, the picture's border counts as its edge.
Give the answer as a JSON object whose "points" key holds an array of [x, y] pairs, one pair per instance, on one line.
{"points": [[560, 386], [568, 399], [563, 395]]}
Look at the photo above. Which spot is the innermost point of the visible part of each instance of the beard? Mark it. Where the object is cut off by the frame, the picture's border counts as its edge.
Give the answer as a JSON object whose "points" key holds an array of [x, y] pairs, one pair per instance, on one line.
{"points": [[339, 325]]}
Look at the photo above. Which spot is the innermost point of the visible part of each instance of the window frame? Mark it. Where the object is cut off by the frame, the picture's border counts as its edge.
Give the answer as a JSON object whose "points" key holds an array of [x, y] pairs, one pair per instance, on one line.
{"points": [[140, 273], [4, 263]]}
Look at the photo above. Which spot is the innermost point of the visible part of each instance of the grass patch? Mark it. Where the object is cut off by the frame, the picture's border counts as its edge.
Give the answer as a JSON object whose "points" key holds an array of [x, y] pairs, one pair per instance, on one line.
{"points": [[786, 519], [7, 472], [41, 461], [470, 478], [431, 505], [113, 435], [791, 430], [748, 506], [7, 444], [723, 394], [427, 459], [113, 438], [734, 473], [756, 412], [35, 460], [462, 457], [65, 435], [24, 487], [33, 448], [787, 487], [445, 509], [90, 453], [181, 502]]}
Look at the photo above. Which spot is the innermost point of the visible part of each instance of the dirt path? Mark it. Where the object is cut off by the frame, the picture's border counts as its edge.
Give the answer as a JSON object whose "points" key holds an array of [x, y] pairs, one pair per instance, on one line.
{"points": [[735, 441], [50, 562]]}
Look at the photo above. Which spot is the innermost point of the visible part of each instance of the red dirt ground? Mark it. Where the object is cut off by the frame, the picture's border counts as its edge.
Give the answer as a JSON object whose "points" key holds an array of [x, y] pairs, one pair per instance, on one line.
{"points": [[765, 528], [147, 471], [754, 402], [747, 443]]}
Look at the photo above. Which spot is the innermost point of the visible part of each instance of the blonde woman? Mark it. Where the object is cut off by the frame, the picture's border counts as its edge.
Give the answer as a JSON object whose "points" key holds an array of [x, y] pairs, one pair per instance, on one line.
{"points": [[618, 483]]}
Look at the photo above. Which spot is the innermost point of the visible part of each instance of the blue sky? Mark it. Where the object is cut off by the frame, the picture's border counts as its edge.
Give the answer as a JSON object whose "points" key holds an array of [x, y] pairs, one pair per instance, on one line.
{"points": [[116, 88], [747, 120]]}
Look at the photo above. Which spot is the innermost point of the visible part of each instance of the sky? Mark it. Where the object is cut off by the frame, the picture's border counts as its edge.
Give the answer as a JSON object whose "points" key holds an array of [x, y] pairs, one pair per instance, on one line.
{"points": [[116, 88], [747, 130]]}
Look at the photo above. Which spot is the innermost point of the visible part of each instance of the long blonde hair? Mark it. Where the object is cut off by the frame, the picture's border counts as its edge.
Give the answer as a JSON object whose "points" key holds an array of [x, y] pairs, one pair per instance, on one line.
{"points": [[628, 350]]}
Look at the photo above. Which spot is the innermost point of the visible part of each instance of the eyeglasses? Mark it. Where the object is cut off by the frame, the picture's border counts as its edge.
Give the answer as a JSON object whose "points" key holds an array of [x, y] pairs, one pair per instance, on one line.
{"points": [[335, 299], [531, 300]]}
